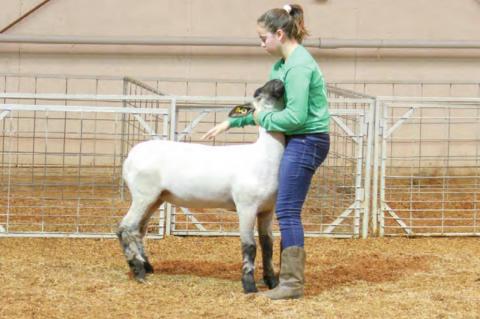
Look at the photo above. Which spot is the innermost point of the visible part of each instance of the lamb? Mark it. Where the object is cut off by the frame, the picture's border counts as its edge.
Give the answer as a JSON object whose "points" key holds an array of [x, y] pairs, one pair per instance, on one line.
{"points": [[235, 177]]}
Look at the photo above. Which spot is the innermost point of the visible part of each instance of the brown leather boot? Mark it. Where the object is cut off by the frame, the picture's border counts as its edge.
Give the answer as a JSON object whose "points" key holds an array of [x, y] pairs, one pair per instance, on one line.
{"points": [[292, 275]]}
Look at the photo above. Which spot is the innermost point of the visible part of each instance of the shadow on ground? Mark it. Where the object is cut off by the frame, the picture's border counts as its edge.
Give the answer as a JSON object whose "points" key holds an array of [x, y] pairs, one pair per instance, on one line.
{"points": [[320, 275]]}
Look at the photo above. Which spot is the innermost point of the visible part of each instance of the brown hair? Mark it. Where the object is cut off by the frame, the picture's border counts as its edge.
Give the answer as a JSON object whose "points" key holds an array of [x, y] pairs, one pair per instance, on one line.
{"points": [[290, 22]]}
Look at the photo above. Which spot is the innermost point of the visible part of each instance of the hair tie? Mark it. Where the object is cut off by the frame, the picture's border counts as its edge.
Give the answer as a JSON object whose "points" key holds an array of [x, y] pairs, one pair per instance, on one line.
{"points": [[287, 8]]}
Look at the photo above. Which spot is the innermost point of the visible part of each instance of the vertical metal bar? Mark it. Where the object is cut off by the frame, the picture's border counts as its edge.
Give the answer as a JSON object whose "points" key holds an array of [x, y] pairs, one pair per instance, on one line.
{"points": [[155, 118], [4, 134], [376, 149], [95, 138], [173, 119], [79, 177], [477, 165], [383, 130], [446, 179], [64, 137], [351, 181], [339, 177], [34, 136], [337, 172], [477, 175], [4, 125], [114, 175], [359, 191], [9, 183], [168, 218], [18, 133], [123, 139], [127, 123], [169, 209], [165, 131], [136, 130], [419, 162], [412, 191], [161, 221], [45, 174], [366, 200]]}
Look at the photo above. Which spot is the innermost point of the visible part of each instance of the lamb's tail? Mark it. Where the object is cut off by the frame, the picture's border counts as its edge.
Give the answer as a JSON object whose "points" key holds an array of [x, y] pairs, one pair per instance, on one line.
{"points": [[138, 167]]}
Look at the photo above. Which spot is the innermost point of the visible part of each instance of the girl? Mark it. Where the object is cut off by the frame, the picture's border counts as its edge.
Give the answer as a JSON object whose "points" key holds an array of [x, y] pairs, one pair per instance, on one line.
{"points": [[305, 123]]}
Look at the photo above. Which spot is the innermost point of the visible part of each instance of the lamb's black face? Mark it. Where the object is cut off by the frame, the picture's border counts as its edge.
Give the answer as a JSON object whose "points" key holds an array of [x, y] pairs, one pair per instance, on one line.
{"points": [[267, 97], [273, 89], [270, 96]]}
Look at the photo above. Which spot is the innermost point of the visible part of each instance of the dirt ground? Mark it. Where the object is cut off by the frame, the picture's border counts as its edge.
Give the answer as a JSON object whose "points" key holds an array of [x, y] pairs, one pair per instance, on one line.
{"points": [[200, 278]]}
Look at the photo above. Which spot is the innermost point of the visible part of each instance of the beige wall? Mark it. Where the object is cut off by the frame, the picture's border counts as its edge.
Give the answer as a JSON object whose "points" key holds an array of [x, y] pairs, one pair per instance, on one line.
{"points": [[366, 19]]}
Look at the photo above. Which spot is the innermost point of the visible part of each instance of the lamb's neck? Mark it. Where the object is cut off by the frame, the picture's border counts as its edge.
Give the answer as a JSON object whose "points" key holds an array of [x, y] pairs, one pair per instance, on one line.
{"points": [[274, 142]]}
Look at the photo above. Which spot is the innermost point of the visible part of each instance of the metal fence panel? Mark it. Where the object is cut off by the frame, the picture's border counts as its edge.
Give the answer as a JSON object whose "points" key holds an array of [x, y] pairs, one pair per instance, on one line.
{"points": [[337, 201], [430, 166], [61, 167]]}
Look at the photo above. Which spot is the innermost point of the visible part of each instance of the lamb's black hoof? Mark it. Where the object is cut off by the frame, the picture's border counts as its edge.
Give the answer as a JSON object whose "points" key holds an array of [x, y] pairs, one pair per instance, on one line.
{"points": [[249, 285], [138, 270]]}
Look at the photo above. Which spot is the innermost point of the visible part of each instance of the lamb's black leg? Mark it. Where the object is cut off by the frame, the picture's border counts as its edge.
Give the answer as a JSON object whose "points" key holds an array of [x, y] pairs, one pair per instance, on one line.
{"points": [[132, 252], [247, 215], [266, 243], [249, 252]]}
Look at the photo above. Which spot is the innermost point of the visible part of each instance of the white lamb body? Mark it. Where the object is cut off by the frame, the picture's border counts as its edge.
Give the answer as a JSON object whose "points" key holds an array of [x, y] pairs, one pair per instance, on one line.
{"points": [[194, 175]]}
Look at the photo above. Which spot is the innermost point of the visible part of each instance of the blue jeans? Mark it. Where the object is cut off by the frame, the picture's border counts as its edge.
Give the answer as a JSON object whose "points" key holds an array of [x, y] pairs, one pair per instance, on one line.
{"points": [[303, 155]]}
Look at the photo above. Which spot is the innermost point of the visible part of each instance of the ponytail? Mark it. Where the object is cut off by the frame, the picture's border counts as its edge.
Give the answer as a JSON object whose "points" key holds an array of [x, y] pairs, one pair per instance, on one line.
{"points": [[289, 19]]}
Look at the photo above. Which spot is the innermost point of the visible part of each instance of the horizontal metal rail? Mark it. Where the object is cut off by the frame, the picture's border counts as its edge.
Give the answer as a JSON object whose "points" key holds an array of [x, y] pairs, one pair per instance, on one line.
{"points": [[67, 235], [81, 108], [325, 43], [117, 97], [309, 234]]}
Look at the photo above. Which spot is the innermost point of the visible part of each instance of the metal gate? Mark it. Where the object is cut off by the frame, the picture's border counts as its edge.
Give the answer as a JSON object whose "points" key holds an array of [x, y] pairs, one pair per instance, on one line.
{"points": [[61, 165], [430, 166]]}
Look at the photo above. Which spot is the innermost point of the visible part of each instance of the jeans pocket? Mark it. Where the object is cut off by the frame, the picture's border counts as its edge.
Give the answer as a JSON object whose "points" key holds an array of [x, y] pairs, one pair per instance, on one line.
{"points": [[321, 146]]}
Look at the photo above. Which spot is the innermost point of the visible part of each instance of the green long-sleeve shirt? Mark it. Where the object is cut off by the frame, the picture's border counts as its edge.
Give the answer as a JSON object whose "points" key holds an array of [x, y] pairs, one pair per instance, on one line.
{"points": [[306, 105]]}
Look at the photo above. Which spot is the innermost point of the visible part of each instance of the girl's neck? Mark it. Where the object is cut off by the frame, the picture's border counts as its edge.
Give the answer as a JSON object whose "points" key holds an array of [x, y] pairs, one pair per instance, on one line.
{"points": [[287, 48]]}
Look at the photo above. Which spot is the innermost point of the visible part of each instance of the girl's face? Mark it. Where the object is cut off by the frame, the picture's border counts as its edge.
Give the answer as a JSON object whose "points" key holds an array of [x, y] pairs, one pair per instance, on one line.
{"points": [[271, 42]]}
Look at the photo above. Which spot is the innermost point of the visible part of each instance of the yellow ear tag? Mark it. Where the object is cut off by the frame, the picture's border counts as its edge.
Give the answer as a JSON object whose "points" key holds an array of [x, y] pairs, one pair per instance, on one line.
{"points": [[241, 110]]}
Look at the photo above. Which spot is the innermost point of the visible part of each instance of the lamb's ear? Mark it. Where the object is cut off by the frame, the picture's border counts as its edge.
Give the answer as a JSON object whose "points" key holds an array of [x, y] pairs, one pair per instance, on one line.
{"points": [[241, 110]]}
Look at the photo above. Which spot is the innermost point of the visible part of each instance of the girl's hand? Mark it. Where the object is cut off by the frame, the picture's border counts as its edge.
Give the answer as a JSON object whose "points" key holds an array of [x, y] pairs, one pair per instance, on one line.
{"points": [[220, 128]]}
